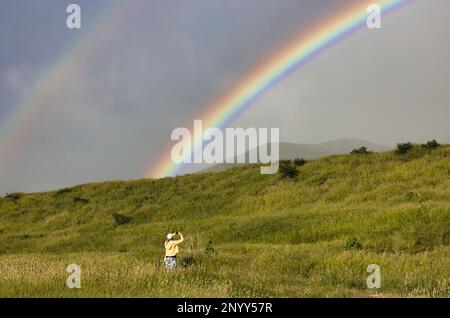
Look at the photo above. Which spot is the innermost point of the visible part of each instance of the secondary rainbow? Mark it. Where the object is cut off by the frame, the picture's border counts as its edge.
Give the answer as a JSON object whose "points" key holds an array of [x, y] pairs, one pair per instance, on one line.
{"points": [[48, 89], [291, 58]]}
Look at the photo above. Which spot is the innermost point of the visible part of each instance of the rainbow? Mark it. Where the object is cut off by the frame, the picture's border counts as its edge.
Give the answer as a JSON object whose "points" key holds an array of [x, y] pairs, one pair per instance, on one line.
{"points": [[292, 57], [48, 89]]}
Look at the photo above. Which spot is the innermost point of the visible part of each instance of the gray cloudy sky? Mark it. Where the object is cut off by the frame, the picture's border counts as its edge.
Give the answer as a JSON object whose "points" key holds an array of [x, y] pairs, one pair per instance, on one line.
{"points": [[163, 62]]}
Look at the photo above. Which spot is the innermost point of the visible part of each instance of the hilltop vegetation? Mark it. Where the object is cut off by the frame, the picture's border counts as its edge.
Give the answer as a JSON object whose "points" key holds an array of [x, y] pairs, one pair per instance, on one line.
{"points": [[247, 234]]}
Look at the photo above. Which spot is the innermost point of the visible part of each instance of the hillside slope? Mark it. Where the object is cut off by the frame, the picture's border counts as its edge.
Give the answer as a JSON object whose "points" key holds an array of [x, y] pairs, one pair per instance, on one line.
{"points": [[306, 151], [247, 234]]}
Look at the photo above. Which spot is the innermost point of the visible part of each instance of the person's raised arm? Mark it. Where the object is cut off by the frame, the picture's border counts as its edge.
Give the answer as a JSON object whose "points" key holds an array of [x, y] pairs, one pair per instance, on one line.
{"points": [[180, 240]]}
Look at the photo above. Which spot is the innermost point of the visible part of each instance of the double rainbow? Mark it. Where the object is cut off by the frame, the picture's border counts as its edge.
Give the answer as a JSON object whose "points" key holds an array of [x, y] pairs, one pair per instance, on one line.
{"points": [[50, 86]]}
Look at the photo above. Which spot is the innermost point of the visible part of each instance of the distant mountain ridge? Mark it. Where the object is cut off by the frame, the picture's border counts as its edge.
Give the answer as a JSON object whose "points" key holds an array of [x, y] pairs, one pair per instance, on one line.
{"points": [[334, 147], [311, 151]]}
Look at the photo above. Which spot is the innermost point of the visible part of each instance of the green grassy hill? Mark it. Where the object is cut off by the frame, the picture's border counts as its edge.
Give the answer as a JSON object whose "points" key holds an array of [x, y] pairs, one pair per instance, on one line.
{"points": [[246, 234]]}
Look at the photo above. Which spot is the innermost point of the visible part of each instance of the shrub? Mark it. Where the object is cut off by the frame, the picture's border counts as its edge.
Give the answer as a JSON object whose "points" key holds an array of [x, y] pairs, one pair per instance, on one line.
{"points": [[430, 145], [403, 148], [24, 237], [63, 191], [360, 151], [353, 244], [412, 196], [318, 180], [446, 232], [80, 200], [299, 162], [121, 219], [14, 196], [288, 169], [187, 261], [426, 237], [210, 249], [128, 189]]}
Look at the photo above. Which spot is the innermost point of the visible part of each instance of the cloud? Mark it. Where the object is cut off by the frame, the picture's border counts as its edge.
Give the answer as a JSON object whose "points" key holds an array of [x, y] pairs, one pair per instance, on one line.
{"points": [[385, 86]]}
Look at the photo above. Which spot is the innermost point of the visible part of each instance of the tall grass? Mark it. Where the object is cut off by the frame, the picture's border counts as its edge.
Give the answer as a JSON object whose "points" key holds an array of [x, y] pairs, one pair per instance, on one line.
{"points": [[272, 236]]}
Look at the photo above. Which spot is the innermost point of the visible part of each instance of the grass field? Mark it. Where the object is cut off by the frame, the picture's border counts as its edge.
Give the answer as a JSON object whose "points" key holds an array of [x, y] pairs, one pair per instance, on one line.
{"points": [[246, 234]]}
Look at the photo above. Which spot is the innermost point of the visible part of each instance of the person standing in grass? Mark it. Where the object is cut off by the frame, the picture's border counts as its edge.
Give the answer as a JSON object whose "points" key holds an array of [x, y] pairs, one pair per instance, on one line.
{"points": [[171, 246]]}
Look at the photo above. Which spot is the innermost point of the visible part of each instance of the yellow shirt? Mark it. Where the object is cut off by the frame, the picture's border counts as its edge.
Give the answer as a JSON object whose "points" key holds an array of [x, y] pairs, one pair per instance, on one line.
{"points": [[172, 246]]}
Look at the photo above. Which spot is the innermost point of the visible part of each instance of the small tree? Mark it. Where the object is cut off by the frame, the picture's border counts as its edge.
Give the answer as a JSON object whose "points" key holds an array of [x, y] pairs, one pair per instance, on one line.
{"points": [[288, 169], [360, 151], [430, 145], [403, 148]]}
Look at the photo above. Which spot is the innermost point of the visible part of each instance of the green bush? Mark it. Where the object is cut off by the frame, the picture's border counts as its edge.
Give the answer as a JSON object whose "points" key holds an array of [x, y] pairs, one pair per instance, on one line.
{"points": [[121, 219], [24, 237], [320, 179], [299, 162], [430, 145], [426, 237], [80, 200], [210, 249], [360, 151], [14, 196], [63, 191], [446, 231], [353, 244], [403, 148], [187, 261], [288, 169]]}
